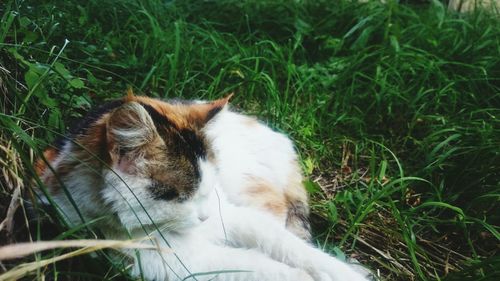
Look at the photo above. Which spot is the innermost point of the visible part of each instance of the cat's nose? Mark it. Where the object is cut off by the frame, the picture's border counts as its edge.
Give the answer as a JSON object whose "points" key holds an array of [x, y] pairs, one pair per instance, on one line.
{"points": [[202, 217]]}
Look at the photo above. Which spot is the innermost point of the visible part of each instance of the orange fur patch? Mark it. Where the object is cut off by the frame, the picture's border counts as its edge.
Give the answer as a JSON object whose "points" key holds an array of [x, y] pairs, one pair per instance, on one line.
{"points": [[93, 143], [182, 115], [50, 155], [265, 196]]}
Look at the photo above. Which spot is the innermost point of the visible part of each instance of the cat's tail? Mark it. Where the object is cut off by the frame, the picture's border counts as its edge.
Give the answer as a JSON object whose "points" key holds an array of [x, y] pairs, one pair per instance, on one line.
{"points": [[297, 220]]}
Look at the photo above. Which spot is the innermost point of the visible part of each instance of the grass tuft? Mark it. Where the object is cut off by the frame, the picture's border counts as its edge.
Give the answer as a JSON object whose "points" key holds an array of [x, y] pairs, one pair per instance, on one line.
{"points": [[394, 108]]}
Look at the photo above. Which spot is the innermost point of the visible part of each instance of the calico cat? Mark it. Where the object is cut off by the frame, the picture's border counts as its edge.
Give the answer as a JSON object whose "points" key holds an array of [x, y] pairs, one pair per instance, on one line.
{"points": [[219, 188]]}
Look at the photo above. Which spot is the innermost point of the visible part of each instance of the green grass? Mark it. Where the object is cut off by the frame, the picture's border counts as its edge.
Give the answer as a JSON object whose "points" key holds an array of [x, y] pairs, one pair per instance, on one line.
{"points": [[394, 109]]}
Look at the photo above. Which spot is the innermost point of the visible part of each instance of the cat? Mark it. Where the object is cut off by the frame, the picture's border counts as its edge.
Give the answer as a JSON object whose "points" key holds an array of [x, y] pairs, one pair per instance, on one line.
{"points": [[219, 188]]}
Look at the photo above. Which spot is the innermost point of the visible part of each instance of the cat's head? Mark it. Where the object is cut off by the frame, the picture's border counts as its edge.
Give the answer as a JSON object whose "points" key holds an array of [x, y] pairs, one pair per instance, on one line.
{"points": [[159, 166]]}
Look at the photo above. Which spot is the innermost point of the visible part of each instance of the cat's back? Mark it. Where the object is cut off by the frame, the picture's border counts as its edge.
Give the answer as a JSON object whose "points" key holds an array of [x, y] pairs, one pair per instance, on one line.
{"points": [[258, 167], [245, 148]]}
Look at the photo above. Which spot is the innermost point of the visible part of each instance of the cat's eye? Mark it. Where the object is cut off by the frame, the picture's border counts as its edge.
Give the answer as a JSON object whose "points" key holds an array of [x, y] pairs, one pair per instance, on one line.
{"points": [[162, 191]]}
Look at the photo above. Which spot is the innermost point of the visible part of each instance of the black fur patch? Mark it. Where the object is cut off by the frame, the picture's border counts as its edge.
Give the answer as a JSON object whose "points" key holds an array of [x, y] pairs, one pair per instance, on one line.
{"points": [[94, 115], [194, 143], [158, 118], [81, 126], [187, 144], [213, 112], [298, 214]]}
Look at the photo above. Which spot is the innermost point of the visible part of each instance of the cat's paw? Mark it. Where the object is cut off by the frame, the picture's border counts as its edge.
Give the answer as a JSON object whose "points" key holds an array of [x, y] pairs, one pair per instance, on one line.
{"points": [[331, 269], [343, 273]]}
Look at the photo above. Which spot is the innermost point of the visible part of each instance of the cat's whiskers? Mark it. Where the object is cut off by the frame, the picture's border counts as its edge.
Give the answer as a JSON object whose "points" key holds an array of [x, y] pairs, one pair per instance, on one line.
{"points": [[168, 226]]}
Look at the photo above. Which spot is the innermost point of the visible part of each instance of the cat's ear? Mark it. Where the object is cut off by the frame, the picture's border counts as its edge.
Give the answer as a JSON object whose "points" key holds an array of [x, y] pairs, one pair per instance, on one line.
{"points": [[201, 113], [129, 128]]}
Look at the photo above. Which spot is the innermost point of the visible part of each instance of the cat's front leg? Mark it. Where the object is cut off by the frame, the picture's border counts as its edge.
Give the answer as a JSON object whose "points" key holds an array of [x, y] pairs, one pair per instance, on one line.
{"points": [[245, 265], [250, 228], [197, 259]]}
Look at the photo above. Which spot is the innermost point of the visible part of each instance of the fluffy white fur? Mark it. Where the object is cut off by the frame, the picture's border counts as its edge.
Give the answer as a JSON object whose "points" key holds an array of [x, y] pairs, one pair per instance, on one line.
{"points": [[246, 149], [216, 230]]}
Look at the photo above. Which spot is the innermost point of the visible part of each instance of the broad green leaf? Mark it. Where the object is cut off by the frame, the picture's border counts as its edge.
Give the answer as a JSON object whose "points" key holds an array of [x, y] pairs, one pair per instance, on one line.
{"points": [[76, 83], [31, 78]]}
